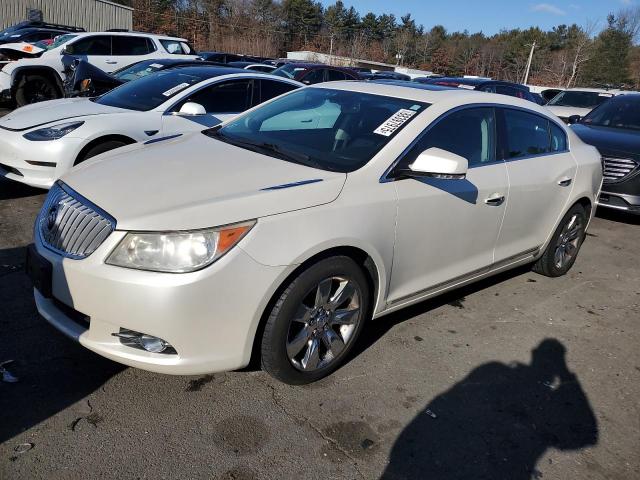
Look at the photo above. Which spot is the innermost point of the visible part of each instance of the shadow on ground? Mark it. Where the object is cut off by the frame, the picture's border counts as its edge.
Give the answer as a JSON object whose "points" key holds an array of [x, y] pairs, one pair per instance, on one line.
{"points": [[497, 422], [10, 189], [53, 372]]}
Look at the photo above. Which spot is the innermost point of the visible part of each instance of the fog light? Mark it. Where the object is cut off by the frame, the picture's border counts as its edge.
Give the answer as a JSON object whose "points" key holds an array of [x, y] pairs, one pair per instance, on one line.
{"points": [[153, 344], [145, 342]]}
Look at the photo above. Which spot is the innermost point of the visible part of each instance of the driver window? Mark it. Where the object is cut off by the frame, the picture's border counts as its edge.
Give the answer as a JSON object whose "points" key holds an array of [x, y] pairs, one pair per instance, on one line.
{"points": [[469, 133], [233, 96]]}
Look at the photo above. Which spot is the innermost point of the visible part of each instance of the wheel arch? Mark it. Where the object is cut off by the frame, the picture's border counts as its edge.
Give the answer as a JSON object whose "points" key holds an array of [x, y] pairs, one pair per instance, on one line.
{"points": [[97, 141], [43, 70], [361, 257]]}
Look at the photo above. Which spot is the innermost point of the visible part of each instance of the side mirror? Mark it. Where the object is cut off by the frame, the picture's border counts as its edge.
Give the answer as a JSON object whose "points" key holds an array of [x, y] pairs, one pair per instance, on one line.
{"points": [[192, 108], [437, 163], [573, 119]]}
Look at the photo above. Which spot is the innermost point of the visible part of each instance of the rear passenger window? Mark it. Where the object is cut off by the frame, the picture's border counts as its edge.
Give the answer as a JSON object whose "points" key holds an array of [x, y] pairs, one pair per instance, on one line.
{"points": [[558, 138], [123, 45], [469, 133], [527, 134]]}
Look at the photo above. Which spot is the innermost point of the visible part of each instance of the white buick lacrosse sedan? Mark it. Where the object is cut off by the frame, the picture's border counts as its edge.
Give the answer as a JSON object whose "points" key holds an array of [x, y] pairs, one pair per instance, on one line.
{"points": [[285, 230]]}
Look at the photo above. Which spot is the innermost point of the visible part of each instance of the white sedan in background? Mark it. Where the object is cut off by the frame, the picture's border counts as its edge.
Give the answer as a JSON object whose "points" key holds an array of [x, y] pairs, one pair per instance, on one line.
{"points": [[40, 142], [285, 230]]}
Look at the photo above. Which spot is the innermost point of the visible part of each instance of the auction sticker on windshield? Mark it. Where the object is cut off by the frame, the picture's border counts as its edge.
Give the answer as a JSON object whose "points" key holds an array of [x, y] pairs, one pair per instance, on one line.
{"points": [[175, 89], [394, 122]]}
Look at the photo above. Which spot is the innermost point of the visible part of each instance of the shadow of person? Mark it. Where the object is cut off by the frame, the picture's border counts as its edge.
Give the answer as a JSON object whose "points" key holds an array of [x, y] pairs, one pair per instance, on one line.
{"points": [[497, 422]]}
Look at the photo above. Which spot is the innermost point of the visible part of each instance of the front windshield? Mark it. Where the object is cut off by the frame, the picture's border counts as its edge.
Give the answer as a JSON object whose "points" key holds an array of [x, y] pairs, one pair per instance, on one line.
{"points": [[288, 70], [328, 129], [579, 99], [137, 70], [622, 111], [149, 92], [61, 40]]}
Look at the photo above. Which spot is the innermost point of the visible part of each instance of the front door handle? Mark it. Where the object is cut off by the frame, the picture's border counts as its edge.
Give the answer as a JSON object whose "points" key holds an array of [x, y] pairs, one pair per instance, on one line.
{"points": [[565, 182], [111, 62], [495, 200]]}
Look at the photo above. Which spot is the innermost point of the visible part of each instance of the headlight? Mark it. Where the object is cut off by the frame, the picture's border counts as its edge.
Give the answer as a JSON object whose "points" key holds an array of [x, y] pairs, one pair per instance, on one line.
{"points": [[52, 133], [177, 252]]}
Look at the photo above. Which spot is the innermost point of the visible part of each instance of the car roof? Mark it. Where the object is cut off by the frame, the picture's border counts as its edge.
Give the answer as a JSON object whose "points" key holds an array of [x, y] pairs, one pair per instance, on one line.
{"points": [[432, 96], [212, 71], [131, 34], [410, 84]]}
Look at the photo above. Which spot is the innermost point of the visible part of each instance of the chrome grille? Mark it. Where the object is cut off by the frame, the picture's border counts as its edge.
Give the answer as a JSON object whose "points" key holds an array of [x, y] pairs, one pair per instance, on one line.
{"points": [[616, 169], [68, 224]]}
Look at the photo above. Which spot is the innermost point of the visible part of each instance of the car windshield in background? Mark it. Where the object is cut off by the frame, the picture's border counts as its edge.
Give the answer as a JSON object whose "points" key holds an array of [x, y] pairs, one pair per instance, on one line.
{"points": [[137, 70], [322, 128], [289, 70], [61, 40], [150, 91], [579, 99], [622, 111]]}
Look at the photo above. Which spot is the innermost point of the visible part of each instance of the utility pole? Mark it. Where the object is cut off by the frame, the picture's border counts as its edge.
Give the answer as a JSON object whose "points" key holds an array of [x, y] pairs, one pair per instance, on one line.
{"points": [[526, 75]]}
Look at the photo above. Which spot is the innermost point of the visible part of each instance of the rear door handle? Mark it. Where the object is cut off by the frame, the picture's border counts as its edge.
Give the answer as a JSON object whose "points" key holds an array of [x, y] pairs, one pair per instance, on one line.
{"points": [[565, 182], [495, 200], [111, 62]]}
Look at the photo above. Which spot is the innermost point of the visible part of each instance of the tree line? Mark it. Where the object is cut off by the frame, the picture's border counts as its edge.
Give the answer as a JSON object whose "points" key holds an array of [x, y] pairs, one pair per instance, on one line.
{"points": [[596, 54]]}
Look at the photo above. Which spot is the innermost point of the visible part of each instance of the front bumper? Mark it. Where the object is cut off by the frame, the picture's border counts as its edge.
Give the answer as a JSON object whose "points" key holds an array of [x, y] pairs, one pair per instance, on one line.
{"points": [[210, 317], [619, 201], [54, 158]]}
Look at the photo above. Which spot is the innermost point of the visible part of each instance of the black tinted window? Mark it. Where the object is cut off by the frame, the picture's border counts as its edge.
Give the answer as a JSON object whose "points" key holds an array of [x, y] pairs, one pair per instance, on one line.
{"points": [[226, 97], [314, 76], [271, 88], [558, 138], [98, 45], [527, 134], [469, 133], [130, 45], [336, 75]]}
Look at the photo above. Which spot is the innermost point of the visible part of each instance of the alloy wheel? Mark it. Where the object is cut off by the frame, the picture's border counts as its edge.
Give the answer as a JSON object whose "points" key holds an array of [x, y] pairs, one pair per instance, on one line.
{"points": [[324, 324], [568, 241]]}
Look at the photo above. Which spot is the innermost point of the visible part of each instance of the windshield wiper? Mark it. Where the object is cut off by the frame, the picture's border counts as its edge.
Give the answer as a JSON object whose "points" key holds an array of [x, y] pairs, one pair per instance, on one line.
{"points": [[269, 148]]}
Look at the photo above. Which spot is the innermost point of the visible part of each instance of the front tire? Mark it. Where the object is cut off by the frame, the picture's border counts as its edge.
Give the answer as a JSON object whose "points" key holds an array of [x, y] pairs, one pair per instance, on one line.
{"points": [[562, 251], [34, 89], [315, 322]]}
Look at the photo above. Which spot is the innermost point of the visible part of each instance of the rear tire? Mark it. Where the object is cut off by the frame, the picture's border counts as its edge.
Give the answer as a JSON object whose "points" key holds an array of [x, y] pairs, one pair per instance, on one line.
{"points": [[34, 89], [100, 148], [315, 322], [562, 251]]}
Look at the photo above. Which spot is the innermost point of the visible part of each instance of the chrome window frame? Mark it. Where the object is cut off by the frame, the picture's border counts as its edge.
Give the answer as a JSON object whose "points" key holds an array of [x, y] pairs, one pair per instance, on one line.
{"points": [[386, 175]]}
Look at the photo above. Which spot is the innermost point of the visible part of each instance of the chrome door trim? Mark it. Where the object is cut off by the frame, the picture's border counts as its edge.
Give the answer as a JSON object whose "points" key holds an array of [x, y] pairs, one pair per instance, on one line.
{"points": [[526, 255]]}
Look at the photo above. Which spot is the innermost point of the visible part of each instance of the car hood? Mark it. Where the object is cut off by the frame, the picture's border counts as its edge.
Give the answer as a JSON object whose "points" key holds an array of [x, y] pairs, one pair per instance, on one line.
{"points": [[193, 181], [566, 112], [610, 141], [54, 111]]}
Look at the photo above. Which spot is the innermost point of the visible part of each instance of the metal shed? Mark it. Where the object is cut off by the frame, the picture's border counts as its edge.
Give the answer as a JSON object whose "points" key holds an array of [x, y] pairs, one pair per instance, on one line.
{"points": [[92, 15]]}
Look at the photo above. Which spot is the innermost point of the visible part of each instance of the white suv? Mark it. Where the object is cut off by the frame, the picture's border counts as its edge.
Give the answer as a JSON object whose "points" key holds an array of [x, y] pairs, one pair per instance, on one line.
{"points": [[31, 80]]}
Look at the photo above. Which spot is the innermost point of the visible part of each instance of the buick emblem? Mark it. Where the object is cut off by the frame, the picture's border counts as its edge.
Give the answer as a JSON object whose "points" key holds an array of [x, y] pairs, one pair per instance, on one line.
{"points": [[51, 217]]}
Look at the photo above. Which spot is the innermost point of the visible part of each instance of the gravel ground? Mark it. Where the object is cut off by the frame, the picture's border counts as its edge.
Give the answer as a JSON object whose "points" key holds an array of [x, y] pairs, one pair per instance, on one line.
{"points": [[517, 377]]}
